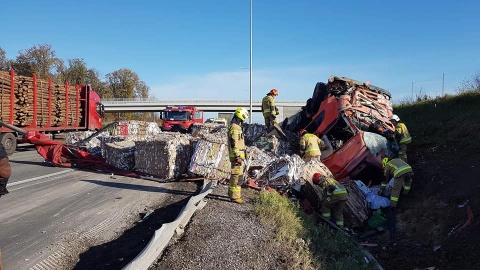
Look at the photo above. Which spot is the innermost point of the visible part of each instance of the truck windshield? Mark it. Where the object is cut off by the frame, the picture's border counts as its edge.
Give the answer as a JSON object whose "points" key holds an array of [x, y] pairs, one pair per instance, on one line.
{"points": [[180, 116]]}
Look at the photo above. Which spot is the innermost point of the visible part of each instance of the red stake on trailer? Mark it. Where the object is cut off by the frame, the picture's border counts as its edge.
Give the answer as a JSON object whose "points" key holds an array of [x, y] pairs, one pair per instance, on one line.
{"points": [[12, 95]]}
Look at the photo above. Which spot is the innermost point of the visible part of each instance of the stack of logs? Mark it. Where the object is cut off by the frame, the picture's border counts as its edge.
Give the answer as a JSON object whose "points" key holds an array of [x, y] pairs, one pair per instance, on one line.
{"points": [[24, 107]]}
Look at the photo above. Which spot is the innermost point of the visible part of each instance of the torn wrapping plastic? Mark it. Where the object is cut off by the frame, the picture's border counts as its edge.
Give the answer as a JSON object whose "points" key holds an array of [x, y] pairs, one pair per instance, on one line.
{"points": [[377, 143]]}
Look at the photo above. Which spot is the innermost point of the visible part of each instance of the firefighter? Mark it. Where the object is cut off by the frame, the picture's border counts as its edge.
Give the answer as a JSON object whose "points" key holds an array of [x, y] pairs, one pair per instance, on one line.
{"points": [[335, 197], [402, 174], [268, 108], [236, 154], [5, 170], [310, 145], [401, 136]]}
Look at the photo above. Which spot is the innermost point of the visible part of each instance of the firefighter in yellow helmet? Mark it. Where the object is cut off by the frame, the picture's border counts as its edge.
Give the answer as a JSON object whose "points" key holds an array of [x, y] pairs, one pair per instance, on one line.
{"points": [[268, 108], [310, 145], [236, 154], [335, 197], [402, 136], [402, 174]]}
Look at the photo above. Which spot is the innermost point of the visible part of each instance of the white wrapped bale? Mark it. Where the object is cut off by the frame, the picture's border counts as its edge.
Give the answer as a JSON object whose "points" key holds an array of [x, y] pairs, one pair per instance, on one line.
{"points": [[121, 154], [210, 160], [166, 157]]}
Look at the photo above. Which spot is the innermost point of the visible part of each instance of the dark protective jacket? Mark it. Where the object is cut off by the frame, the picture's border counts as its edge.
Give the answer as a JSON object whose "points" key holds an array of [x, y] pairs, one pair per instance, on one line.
{"points": [[396, 168], [268, 105], [332, 188]]}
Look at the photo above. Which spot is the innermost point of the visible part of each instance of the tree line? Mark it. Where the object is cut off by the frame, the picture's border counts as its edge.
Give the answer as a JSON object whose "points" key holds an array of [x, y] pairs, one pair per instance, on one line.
{"points": [[42, 60]]}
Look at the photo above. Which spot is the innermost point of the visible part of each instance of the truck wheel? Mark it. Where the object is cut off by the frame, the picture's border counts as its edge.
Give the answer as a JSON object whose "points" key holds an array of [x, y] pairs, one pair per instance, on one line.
{"points": [[319, 94], [9, 142]]}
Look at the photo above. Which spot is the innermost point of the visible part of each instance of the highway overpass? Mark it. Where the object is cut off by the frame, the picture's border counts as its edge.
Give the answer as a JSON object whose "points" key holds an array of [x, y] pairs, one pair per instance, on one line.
{"points": [[286, 108]]}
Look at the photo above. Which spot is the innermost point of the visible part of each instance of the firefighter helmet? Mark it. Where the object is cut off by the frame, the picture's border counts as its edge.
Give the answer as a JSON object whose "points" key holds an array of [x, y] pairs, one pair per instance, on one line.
{"points": [[301, 132], [242, 114], [274, 92], [384, 161], [395, 117], [317, 177]]}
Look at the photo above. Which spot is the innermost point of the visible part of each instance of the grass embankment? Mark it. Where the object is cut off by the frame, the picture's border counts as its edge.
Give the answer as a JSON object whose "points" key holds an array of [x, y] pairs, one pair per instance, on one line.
{"points": [[448, 120], [311, 245]]}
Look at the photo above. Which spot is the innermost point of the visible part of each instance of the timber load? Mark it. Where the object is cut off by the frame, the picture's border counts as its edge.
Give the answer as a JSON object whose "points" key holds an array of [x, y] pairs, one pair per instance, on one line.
{"points": [[32, 102]]}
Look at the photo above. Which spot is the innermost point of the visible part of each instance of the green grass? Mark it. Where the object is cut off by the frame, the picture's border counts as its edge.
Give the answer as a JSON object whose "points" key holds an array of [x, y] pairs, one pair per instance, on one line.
{"points": [[311, 245], [447, 121]]}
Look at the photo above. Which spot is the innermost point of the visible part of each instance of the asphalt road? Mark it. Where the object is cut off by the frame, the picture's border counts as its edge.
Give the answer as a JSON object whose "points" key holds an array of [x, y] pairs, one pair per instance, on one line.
{"points": [[53, 214]]}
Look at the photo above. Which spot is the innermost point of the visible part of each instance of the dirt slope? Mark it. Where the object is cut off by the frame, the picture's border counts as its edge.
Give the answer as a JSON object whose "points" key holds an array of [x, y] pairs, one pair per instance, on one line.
{"points": [[445, 155]]}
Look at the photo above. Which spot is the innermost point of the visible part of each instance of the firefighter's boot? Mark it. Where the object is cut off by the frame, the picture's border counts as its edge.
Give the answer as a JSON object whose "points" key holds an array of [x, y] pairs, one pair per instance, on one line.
{"points": [[3, 186]]}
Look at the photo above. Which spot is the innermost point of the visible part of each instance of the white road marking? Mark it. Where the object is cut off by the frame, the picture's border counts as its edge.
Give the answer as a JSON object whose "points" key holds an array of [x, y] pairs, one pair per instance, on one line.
{"points": [[38, 178]]}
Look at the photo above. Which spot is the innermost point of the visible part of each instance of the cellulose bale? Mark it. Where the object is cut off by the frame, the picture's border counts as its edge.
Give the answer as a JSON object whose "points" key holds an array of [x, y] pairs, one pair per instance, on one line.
{"points": [[167, 156], [257, 157], [252, 132], [76, 136], [210, 160], [206, 130], [356, 206], [281, 172], [121, 154]]}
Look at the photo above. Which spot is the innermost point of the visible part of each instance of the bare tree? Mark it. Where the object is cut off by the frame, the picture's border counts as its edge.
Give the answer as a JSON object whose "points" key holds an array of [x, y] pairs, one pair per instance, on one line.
{"points": [[4, 63], [142, 90], [468, 85]]}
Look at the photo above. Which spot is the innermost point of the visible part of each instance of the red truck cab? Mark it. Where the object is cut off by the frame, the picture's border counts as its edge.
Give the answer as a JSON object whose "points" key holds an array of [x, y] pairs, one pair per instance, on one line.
{"points": [[180, 118]]}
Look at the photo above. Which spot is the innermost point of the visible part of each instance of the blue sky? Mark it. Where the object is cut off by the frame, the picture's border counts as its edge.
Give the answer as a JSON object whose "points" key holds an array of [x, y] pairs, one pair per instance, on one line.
{"points": [[199, 49]]}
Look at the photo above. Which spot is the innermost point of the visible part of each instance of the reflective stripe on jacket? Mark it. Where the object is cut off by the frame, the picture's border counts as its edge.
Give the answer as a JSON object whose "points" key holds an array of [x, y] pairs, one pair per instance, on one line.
{"points": [[236, 142], [332, 188], [396, 168], [402, 134], [310, 145], [268, 105]]}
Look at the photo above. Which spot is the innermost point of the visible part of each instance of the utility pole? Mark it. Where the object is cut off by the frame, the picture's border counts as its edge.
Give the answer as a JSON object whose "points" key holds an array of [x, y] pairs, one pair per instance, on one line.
{"points": [[443, 83], [412, 91], [251, 61]]}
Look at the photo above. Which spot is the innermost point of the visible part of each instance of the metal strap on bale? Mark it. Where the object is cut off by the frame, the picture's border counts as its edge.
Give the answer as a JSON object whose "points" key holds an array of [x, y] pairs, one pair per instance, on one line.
{"points": [[162, 236]]}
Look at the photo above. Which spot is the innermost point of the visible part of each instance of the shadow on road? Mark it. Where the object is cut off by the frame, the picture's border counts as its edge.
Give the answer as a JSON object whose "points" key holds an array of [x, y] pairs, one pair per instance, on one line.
{"points": [[140, 187], [38, 163]]}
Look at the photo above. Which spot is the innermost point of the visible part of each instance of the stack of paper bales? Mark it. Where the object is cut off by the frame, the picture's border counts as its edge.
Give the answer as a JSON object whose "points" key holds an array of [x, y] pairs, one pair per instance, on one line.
{"points": [[121, 154], [210, 157], [166, 157]]}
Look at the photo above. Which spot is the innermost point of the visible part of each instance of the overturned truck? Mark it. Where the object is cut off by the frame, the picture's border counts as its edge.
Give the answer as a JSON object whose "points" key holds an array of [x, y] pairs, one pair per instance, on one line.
{"points": [[352, 118]]}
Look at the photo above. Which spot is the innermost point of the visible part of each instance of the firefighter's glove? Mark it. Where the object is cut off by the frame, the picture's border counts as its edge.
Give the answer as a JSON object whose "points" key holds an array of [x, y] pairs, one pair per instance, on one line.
{"points": [[239, 160], [331, 189]]}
